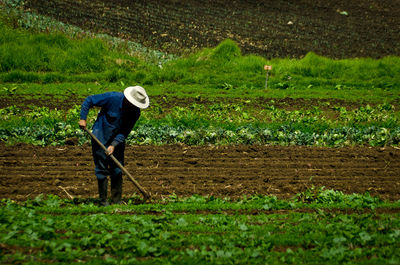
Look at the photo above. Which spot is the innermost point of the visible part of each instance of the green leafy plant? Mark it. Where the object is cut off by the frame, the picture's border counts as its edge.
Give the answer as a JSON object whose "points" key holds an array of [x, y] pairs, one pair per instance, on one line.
{"points": [[10, 90], [200, 229]]}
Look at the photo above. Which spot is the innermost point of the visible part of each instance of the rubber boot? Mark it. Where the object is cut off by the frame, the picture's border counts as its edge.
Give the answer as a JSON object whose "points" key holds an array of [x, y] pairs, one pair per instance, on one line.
{"points": [[102, 183], [116, 189]]}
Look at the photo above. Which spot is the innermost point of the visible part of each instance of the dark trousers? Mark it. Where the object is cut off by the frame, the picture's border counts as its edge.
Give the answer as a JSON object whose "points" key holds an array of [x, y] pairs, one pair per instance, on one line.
{"points": [[105, 166]]}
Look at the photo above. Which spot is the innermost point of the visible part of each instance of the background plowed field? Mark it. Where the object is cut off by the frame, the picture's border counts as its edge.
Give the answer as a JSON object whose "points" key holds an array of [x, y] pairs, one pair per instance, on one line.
{"points": [[337, 29], [232, 171]]}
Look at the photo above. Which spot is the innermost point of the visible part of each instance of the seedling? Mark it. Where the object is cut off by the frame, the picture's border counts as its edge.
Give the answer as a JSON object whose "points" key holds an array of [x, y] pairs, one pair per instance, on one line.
{"points": [[10, 90]]}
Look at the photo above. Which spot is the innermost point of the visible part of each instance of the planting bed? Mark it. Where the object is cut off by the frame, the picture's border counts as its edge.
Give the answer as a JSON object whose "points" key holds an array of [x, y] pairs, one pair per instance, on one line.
{"points": [[222, 171], [269, 28], [66, 102]]}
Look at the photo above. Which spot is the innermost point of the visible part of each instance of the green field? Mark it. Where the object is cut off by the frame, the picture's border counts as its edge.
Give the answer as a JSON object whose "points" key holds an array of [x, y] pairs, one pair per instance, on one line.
{"points": [[216, 96], [317, 227]]}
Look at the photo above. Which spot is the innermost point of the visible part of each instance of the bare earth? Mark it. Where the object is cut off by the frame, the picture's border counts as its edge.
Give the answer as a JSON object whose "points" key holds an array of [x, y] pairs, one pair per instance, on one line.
{"points": [[337, 28], [223, 171]]}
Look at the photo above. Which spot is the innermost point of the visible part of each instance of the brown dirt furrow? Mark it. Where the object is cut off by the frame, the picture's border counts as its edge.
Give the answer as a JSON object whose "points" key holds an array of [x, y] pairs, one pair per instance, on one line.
{"points": [[233, 171], [271, 29]]}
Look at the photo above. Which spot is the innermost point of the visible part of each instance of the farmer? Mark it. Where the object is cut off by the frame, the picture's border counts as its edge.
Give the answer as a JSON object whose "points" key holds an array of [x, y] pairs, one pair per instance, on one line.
{"points": [[119, 113]]}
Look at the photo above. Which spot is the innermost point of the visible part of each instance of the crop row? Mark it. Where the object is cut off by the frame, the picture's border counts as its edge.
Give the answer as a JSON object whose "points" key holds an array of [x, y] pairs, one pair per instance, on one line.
{"points": [[198, 229], [216, 124]]}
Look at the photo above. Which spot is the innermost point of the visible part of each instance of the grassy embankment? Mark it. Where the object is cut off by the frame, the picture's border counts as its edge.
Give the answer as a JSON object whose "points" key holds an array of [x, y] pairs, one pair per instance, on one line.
{"points": [[228, 102], [60, 65]]}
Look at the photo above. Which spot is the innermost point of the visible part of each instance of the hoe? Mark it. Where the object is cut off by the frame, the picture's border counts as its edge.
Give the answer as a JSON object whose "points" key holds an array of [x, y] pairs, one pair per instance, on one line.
{"points": [[146, 195]]}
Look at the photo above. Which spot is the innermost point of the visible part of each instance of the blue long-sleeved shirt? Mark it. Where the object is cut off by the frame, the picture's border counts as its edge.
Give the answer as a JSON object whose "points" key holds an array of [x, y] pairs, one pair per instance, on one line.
{"points": [[114, 121]]}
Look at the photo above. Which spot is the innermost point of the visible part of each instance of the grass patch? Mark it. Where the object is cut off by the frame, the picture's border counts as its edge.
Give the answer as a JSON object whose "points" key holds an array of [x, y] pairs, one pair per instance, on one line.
{"points": [[28, 58]]}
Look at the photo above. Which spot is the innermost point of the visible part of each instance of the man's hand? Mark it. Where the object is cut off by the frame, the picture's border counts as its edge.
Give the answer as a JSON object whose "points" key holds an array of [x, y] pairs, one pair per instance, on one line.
{"points": [[110, 150], [82, 124]]}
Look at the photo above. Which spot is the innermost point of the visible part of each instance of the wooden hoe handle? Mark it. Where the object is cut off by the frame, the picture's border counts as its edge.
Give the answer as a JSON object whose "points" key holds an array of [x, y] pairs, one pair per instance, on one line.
{"points": [[142, 190]]}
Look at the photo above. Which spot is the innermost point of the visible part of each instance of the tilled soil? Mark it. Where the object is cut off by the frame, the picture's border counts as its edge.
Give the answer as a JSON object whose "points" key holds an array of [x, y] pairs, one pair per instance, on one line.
{"points": [[337, 29], [221, 171], [67, 102]]}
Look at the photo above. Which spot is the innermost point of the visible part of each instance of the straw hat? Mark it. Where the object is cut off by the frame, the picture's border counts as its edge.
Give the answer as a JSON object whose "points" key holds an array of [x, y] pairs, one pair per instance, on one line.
{"points": [[137, 96]]}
